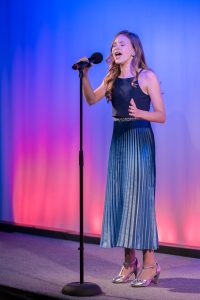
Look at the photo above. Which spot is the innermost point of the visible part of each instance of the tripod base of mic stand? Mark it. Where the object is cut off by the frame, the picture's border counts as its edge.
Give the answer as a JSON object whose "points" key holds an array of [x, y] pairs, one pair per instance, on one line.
{"points": [[81, 289]]}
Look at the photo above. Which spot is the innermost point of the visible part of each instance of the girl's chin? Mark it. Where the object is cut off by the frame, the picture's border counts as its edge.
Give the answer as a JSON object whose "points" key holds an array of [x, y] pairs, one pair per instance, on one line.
{"points": [[118, 62]]}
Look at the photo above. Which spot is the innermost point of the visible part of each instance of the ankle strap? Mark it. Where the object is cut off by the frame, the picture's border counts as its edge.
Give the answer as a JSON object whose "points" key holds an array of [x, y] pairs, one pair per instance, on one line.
{"points": [[149, 266], [127, 264]]}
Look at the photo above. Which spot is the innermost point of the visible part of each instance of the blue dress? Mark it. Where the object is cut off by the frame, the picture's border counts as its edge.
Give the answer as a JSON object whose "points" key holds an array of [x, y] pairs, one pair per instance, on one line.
{"points": [[129, 219]]}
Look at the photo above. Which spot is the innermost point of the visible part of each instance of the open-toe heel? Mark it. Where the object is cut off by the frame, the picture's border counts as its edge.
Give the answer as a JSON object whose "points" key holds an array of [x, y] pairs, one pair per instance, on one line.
{"points": [[134, 269], [146, 282]]}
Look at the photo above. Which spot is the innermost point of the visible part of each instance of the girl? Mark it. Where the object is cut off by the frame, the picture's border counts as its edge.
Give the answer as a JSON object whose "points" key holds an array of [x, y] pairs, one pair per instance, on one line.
{"points": [[129, 214]]}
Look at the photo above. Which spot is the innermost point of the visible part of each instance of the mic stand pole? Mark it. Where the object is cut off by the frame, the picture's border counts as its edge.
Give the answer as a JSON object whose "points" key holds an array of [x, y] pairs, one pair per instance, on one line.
{"points": [[81, 289]]}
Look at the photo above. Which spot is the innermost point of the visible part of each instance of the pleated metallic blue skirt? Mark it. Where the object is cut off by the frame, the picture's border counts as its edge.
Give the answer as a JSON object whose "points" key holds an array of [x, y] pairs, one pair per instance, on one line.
{"points": [[129, 219]]}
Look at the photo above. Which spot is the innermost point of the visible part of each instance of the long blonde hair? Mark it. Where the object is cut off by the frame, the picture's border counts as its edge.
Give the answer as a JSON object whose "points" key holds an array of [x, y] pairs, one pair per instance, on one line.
{"points": [[138, 62]]}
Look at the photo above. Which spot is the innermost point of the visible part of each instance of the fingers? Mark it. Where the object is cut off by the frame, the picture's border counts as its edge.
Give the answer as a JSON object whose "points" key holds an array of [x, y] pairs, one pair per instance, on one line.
{"points": [[132, 104], [83, 59], [131, 111], [132, 108], [132, 101]]}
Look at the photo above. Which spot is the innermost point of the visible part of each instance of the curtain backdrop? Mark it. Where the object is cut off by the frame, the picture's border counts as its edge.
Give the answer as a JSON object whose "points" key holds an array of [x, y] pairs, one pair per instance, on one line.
{"points": [[39, 91]]}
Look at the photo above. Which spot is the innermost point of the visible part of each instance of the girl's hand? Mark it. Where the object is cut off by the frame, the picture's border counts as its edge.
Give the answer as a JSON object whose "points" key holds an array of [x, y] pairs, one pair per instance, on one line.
{"points": [[85, 70], [133, 111]]}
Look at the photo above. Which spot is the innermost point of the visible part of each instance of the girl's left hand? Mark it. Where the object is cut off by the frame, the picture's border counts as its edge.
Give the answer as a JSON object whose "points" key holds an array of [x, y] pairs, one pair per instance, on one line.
{"points": [[133, 111]]}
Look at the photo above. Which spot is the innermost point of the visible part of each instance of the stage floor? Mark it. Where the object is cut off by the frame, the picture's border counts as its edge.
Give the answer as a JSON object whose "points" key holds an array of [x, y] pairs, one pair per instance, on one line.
{"points": [[42, 266]]}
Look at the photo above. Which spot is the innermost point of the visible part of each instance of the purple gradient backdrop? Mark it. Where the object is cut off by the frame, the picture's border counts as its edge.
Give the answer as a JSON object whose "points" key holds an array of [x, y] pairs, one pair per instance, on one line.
{"points": [[40, 111]]}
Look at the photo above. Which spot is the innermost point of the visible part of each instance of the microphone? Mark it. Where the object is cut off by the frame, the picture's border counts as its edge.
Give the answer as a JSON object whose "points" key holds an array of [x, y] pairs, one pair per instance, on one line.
{"points": [[84, 62]]}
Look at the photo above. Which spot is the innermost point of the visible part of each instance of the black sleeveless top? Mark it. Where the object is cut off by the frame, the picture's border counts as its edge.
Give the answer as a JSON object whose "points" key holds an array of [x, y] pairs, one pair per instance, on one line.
{"points": [[122, 93]]}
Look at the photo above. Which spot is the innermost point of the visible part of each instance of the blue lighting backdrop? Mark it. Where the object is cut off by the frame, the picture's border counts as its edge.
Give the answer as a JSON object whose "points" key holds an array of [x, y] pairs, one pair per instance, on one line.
{"points": [[39, 91]]}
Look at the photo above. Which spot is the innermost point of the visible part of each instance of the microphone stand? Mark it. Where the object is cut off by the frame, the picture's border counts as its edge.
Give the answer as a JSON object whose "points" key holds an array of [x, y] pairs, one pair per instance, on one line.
{"points": [[81, 289]]}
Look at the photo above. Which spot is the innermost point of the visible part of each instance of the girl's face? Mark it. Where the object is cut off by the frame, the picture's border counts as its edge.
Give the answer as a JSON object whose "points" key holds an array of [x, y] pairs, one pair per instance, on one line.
{"points": [[122, 50]]}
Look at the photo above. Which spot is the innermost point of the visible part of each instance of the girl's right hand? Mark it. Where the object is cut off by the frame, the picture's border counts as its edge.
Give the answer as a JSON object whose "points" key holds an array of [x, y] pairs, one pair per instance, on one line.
{"points": [[86, 69]]}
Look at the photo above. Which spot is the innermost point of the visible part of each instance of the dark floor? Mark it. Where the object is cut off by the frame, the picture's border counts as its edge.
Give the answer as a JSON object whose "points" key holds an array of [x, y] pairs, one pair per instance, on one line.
{"points": [[33, 267]]}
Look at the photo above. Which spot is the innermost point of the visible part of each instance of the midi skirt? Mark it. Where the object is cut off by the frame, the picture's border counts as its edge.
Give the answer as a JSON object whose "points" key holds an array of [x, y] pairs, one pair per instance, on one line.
{"points": [[129, 218]]}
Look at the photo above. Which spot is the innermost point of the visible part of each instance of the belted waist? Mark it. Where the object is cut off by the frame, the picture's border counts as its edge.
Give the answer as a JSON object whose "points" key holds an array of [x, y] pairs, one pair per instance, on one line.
{"points": [[125, 118]]}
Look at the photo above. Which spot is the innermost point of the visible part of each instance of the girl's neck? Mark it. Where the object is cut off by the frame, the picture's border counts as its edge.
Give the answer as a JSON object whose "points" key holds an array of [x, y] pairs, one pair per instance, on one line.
{"points": [[126, 71]]}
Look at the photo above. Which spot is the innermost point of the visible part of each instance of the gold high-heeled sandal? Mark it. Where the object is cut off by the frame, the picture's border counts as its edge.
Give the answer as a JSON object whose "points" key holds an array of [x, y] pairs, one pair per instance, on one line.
{"points": [[146, 282], [135, 265]]}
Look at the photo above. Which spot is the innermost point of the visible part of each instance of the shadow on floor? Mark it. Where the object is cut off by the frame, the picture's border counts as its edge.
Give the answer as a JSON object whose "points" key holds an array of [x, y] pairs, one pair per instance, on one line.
{"points": [[8, 293], [180, 285]]}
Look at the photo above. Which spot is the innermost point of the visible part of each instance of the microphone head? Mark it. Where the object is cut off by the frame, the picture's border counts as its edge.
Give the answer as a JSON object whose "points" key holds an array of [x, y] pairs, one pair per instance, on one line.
{"points": [[96, 58]]}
